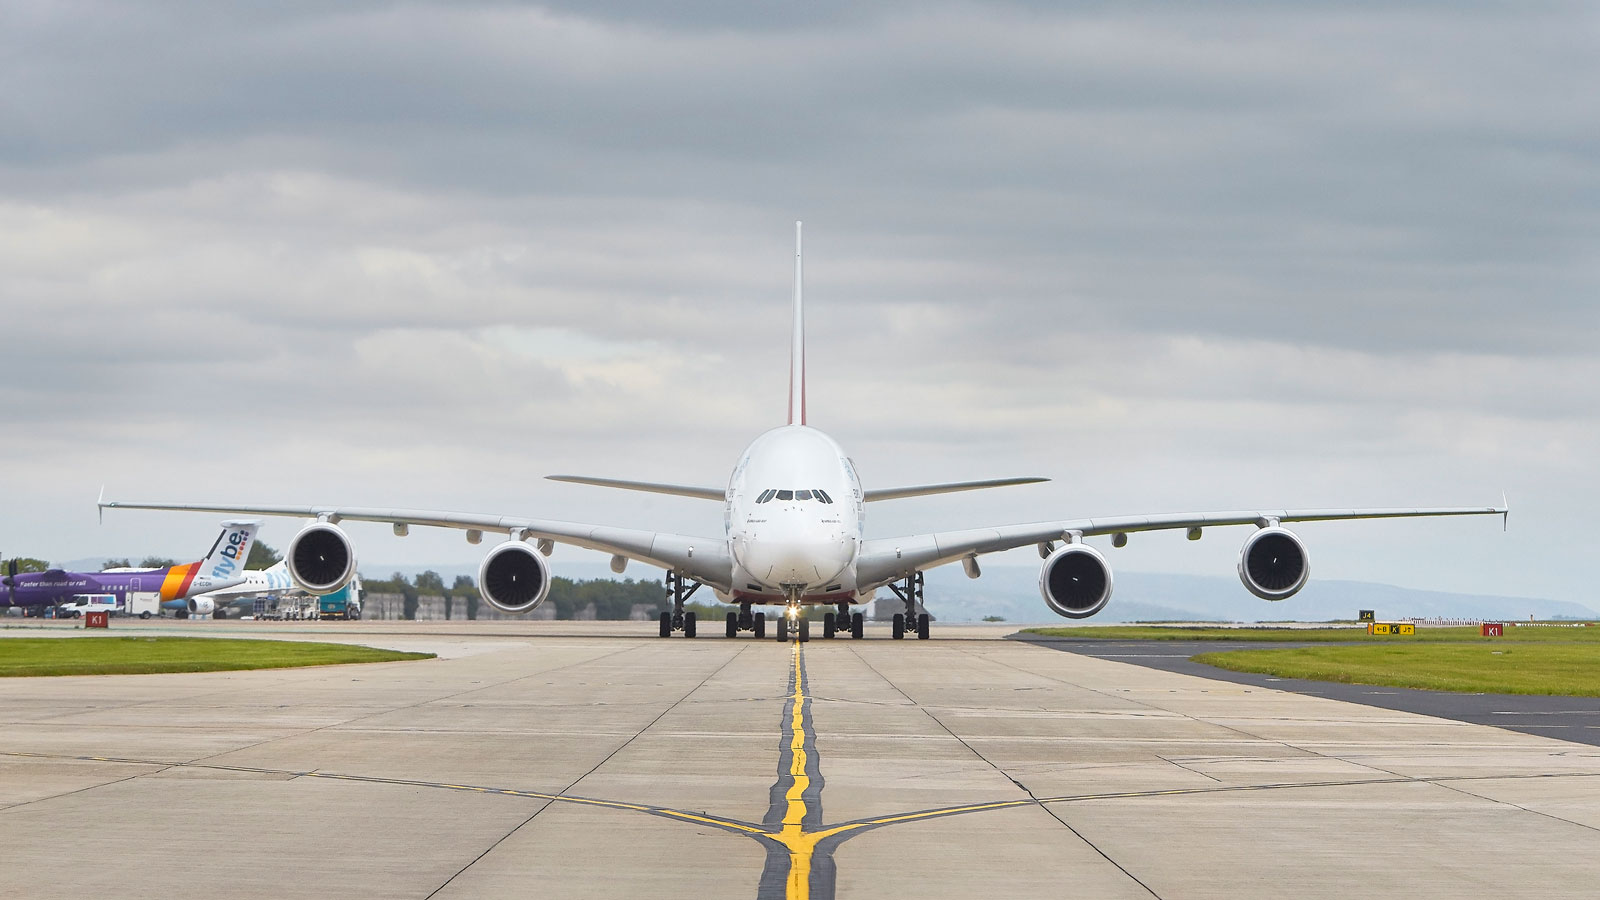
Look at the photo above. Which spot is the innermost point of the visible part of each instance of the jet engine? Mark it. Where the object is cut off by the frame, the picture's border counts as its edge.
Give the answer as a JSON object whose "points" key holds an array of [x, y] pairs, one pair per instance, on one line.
{"points": [[1076, 581], [514, 578], [201, 606], [1273, 564], [321, 558]]}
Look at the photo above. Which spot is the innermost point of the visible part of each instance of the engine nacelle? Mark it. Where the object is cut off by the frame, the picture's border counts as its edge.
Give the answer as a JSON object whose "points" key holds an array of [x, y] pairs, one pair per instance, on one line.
{"points": [[321, 558], [201, 606], [514, 578], [1076, 581], [1273, 564]]}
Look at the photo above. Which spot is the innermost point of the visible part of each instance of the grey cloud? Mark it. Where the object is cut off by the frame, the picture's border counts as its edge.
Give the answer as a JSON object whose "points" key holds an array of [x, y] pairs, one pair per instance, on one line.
{"points": [[1322, 253]]}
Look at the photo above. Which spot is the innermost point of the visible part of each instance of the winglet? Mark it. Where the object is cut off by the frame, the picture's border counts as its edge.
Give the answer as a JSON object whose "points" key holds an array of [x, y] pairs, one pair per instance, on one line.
{"points": [[797, 346], [100, 505], [1505, 512]]}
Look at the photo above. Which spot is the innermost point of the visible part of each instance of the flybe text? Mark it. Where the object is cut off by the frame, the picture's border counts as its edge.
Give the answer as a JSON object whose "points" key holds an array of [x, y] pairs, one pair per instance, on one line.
{"points": [[231, 555]]}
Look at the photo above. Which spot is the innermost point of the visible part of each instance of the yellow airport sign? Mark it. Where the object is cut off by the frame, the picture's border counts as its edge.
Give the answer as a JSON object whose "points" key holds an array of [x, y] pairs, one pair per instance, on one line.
{"points": [[1392, 628]]}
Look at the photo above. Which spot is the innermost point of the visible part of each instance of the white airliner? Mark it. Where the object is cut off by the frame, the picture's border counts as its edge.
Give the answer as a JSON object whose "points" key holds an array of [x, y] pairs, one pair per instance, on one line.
{"points": [[794, 514], [260, 583]]}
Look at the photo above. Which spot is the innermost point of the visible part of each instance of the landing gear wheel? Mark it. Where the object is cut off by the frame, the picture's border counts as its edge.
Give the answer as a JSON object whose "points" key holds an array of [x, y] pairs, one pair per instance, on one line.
{"points": [[922, 626], [898, 629], [666, 624], [858, 626], [827, 625], [761, 625], [688, 625], [805, 630], [783, 628], [733, 624]]}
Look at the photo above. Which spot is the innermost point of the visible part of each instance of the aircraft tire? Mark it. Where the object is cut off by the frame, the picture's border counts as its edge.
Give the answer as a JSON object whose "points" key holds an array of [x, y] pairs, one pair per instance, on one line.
{"points": [[782, 628], [688, 624], [922, 626], [805, 630], [827, 625], [898, 629], [760, 625], [733, 624], [858, 623], [666, 624]]}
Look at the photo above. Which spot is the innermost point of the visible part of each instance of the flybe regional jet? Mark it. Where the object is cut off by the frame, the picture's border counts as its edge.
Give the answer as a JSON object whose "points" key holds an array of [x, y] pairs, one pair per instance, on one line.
{"points": [[794, 514]]}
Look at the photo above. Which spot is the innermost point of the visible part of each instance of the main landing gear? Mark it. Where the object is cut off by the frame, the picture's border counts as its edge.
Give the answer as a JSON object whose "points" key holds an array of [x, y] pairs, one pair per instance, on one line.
{"points": [[843, 622], [744, 620], [676, 619], [910, 593]]}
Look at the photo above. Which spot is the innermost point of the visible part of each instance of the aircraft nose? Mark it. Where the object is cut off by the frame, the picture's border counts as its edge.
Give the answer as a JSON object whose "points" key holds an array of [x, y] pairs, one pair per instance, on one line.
{"points": [[811, 560]]}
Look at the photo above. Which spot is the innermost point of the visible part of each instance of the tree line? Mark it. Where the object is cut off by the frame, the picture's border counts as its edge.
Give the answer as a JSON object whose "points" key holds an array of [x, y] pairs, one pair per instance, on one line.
{"points": [[612, 600]]}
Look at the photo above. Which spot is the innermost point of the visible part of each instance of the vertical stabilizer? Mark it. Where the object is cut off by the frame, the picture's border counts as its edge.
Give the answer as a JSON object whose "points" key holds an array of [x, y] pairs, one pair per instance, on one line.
{"points": [[797, 346], [222, 567]]}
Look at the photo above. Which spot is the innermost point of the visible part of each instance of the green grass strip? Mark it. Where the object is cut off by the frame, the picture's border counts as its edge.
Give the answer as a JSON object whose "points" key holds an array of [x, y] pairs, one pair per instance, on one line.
{"points": [[149, 655], [1571, 670], [1561, 634]]}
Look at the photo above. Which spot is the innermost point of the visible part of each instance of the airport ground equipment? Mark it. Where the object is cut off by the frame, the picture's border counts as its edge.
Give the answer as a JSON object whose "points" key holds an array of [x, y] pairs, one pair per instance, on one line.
{"points": [[340, 605], [794, 513]]}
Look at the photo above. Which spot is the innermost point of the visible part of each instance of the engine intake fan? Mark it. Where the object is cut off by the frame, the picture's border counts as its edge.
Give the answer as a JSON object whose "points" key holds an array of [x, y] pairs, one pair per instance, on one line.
{"points": [[321, 558], [1075, 581], [514, 578], [1273, 564]]}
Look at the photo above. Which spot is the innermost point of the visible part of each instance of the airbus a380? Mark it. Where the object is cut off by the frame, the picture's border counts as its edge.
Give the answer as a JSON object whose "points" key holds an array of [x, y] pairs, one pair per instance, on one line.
{"points": [[794, 515]]}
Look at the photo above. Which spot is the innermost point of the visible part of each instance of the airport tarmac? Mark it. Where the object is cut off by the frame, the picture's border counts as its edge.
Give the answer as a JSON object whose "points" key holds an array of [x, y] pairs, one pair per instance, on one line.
{"points": [[594, 760]]}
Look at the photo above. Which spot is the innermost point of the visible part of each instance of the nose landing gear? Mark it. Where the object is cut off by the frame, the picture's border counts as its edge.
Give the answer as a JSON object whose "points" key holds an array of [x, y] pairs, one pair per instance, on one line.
{"points": [[793, 624]]}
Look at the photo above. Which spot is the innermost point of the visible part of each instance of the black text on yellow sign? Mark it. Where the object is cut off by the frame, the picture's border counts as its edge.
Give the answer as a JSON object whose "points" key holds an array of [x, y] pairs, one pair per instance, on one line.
{"points": [[1392, 628]]}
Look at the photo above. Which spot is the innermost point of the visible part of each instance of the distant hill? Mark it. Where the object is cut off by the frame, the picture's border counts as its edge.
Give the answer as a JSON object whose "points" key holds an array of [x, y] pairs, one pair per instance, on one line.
{"points": [[1012, 592]]}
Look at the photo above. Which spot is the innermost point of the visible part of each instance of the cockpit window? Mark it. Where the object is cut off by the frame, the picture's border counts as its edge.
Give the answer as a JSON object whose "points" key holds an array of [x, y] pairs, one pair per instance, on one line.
{"points": [[766, 495], [802, 495], [786, 495], [823, 496]]}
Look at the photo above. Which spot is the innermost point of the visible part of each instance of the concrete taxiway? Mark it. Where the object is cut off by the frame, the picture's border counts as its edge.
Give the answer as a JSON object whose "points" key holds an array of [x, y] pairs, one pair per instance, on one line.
{"points": [[563, 760]]}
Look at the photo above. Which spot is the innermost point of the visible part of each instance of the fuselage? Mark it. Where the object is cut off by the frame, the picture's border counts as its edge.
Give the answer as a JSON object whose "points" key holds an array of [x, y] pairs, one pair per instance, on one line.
{"points": [[794, 518], [56, 587]]}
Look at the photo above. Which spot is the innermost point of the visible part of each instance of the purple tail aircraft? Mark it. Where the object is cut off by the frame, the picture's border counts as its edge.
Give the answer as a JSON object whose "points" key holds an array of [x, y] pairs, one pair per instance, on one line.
{"points": [[222, 567]]}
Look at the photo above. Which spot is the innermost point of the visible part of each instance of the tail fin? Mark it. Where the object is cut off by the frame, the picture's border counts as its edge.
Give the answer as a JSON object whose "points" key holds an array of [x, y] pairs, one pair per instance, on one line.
{"points": [[222, 567], [797, 346], [226, 560]]}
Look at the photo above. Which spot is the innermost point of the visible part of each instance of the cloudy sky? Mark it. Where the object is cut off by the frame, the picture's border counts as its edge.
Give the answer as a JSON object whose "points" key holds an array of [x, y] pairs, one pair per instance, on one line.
{"points": [[1174, 259]]}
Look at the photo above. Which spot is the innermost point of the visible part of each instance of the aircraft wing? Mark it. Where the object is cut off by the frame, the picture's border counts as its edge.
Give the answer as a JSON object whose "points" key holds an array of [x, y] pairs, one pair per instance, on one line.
{"points": [[652, 487], [882, 561], [923, 490], [701, 558]]}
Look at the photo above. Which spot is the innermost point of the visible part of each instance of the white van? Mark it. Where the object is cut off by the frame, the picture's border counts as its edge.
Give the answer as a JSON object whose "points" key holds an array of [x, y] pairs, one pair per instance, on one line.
{"points": [[84, 603]]}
